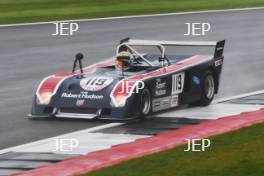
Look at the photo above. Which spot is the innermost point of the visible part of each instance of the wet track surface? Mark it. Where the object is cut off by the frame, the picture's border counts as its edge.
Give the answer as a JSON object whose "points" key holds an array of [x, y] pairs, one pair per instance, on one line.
{"points": [[29, 53], [152, 126], [110, 136]]}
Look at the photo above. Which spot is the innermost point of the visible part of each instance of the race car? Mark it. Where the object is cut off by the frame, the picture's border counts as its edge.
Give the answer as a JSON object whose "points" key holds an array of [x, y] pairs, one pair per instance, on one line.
{"points": [[142, 78]]}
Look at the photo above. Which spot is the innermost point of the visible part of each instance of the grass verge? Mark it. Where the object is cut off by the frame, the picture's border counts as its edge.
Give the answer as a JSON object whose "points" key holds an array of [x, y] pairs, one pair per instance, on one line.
{"points": [[238, 153], [20, 11]]}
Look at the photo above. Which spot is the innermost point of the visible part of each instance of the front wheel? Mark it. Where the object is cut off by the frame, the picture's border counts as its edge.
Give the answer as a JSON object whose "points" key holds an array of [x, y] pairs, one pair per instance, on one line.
{"points": [[145, 102], [208, 90]]}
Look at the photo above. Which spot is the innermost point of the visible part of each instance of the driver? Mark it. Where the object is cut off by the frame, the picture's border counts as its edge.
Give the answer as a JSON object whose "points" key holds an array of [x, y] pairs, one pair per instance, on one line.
{"points": [[123, 60]]}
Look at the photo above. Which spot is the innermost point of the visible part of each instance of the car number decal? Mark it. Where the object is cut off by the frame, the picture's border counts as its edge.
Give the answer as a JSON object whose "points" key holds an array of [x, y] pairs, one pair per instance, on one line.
{"points": [[177, 83], [95, 83]]}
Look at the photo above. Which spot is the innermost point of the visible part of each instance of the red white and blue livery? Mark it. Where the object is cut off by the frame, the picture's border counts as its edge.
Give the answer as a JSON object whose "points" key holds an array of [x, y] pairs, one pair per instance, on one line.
{"points": [[144, 77]]}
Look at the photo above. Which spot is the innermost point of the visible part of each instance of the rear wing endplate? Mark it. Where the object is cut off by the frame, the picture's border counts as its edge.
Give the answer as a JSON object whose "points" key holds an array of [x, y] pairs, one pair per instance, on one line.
{"points": [[219, 49]]}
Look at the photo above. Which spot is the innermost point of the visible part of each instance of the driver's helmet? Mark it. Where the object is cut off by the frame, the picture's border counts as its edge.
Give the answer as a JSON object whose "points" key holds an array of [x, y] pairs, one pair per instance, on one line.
{"points": [[123, 60]]}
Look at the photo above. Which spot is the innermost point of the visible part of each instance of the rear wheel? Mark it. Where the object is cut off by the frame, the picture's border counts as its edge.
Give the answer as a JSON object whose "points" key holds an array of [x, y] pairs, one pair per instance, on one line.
{"points": [[145, 102], [208, 89]]}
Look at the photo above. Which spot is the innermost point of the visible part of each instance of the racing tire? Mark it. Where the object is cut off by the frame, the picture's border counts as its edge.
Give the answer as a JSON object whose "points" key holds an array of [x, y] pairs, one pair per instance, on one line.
{"points": [[208, 89], [145, 103]]}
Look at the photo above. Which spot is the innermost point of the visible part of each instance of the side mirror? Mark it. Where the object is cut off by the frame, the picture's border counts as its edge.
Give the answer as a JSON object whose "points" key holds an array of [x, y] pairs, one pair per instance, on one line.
{"points": [[78, 58]]}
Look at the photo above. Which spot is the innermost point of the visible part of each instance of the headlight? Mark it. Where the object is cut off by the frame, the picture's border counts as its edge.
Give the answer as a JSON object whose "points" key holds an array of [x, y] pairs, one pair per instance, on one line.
{"points": [[49, 86], [44, 97], [121, 92], [119, 100]]}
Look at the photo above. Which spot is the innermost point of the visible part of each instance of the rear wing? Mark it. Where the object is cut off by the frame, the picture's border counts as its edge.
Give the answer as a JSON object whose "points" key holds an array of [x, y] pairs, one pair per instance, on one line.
{"points": [[218, 53]]}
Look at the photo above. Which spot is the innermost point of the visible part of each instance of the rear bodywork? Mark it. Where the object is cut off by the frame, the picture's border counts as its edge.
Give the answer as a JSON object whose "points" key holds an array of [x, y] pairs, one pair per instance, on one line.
{"points": [[96, 92]]}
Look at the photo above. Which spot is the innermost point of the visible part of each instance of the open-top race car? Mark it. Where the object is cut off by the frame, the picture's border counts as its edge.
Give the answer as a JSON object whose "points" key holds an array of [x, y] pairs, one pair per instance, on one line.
{"points": [[142, 78]]}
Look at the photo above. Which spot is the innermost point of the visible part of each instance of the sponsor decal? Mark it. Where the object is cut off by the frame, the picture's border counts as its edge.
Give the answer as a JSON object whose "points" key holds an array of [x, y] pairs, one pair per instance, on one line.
{"points": [[95, 83], [196, 80], [219, 48], [80, 102], [156, 104], [82, 95], [161, 87], [174, 100], [161, 103], [219, 62], [177, 83]]}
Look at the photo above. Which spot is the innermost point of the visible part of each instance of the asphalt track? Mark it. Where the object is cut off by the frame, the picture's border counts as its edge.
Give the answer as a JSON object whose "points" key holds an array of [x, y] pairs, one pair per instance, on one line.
{"points": [[29, 53]]}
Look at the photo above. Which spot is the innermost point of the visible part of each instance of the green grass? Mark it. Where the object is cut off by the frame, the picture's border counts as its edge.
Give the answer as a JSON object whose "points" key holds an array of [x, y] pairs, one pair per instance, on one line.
{"points": [[240, 153], [18, 11]]}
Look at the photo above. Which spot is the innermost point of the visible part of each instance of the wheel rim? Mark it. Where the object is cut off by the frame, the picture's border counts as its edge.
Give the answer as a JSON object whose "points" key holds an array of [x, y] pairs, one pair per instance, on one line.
{"points": [[145, 99], [209, 87]]}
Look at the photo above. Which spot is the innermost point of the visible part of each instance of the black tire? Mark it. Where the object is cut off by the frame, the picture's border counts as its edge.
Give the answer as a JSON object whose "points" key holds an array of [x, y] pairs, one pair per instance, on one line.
{"points": [[145, 103], [208, 89]]}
